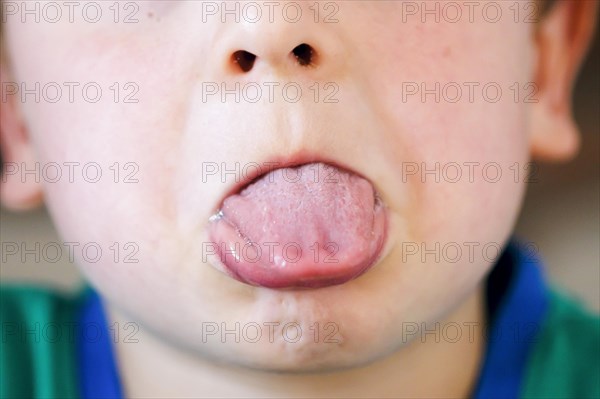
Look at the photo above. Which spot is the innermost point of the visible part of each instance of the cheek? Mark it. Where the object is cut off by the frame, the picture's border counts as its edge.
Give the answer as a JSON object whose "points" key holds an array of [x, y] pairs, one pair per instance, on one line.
{"points": [[454, 97], [468, 173], [116, 145]]}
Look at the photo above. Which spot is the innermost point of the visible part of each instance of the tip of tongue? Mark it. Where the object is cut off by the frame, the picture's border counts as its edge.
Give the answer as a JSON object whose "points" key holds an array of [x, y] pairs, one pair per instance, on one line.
{"points": [[309, 226]]}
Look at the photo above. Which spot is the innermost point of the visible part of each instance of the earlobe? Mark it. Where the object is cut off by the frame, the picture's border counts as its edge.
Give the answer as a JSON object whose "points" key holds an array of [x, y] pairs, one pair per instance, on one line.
{"points": [[555, 136], [562, 39], [18, 191]]}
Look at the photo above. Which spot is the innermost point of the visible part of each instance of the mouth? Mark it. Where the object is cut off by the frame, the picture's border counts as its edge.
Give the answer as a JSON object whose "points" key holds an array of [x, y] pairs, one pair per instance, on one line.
{"points": [[302, 225]]}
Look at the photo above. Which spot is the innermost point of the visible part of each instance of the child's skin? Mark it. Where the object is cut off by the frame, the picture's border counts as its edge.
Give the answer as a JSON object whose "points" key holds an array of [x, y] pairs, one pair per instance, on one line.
{"points": [[369, 53]]}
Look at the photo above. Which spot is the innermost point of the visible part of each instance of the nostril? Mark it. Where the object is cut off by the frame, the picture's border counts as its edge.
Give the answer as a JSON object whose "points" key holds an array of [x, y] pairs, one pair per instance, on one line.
{"points": [[305, 54], [244, 59]]}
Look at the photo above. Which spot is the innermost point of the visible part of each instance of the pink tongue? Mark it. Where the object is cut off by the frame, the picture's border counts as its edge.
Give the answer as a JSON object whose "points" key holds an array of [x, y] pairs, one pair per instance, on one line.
{"points": [[310, 226]]}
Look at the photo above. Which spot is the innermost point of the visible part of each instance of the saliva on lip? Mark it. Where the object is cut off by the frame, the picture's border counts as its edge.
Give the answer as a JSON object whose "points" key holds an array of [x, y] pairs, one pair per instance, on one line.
{"points": [[217, 216]]}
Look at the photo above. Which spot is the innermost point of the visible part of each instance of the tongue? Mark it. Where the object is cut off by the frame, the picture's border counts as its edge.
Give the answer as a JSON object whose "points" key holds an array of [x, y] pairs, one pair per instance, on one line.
{"points": [[308, 226]]}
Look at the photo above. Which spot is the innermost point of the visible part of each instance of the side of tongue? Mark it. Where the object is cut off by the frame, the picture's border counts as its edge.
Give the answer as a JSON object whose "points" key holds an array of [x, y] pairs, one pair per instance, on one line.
{"points": [[309, 226]]}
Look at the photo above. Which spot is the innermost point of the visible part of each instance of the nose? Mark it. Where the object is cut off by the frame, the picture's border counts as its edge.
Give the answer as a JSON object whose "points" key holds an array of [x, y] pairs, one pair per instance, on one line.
{"points": [[279, 44]]}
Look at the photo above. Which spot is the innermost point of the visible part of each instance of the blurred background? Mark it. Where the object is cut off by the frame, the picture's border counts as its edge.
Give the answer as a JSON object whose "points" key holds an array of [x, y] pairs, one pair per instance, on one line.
{"points": [[561, 213]]}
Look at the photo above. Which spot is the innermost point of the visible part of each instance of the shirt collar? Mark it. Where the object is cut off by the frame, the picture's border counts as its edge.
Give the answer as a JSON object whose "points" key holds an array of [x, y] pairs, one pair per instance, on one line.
{"points": [[99, 377], [516, 303]]}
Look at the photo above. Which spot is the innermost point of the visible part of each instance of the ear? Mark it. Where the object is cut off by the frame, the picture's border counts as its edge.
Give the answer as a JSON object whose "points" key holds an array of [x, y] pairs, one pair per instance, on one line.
{"points": [[562, 40], [18, 191]]}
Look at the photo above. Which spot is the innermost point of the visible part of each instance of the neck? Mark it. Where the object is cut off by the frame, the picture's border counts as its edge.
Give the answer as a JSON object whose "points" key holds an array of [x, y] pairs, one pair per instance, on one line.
{"points": [[426, 367]]}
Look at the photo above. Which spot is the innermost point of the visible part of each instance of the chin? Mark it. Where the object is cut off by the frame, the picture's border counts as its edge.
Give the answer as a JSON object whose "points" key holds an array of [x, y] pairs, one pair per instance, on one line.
{"points": [[310, 358]]}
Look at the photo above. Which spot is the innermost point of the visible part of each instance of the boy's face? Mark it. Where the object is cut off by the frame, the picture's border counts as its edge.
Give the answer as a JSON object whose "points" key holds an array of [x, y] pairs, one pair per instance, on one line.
{"points": [[164, 157]]}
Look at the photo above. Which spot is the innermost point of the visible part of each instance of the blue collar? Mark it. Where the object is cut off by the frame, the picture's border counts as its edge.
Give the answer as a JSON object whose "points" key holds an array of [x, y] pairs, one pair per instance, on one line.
{"points": [[516, 303], [98, 375]]}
